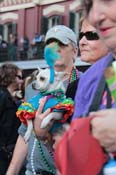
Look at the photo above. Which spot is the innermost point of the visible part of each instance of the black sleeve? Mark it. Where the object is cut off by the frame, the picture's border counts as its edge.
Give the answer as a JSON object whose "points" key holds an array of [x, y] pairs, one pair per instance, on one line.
{"points": [[3, 100], [71, 89], [9, 123]]}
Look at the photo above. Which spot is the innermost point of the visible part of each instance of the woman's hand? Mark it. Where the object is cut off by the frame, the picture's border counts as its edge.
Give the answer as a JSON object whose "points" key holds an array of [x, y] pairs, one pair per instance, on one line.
{"points": [[104, 128]]}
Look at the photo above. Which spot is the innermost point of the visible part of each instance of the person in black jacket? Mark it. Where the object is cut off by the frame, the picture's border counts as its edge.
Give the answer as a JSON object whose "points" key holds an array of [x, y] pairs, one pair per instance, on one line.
{"points": [[10, 81]]}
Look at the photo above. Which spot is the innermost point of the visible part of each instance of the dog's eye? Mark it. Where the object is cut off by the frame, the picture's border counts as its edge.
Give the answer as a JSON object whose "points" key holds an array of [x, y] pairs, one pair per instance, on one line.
{"points": [[42, 78]]}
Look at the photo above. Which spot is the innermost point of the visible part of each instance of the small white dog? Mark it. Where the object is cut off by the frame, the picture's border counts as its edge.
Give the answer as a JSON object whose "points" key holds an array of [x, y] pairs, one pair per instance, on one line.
{"points": [[45, 88], [43, 85]]}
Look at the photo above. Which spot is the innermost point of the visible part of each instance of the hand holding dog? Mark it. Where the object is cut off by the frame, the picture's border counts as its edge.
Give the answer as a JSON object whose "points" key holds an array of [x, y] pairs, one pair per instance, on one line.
{"points": [[41, 132], [58, 135], [104, 128]]}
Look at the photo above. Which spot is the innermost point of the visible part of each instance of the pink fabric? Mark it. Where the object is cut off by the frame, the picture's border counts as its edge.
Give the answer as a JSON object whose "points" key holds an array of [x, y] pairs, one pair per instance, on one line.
{"points": [[78, 152]]}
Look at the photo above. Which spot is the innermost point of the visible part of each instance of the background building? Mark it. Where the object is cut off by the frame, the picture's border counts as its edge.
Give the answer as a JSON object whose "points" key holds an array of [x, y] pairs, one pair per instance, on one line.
{"points": [[31, 17], [23, 25]]}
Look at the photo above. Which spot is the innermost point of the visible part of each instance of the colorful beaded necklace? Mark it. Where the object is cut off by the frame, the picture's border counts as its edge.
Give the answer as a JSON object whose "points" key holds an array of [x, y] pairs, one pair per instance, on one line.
{"points": [[74, 75], [44, 158], [49, 168]]}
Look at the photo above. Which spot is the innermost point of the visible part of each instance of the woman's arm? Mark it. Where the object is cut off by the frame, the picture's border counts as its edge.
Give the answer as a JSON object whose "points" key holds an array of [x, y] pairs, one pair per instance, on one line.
{"points": [[18, 158]]}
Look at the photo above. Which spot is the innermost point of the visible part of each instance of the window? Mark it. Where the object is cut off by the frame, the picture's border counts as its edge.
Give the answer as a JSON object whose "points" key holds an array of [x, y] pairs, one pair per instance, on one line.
{"points": [[74, 21], [54, 20]]}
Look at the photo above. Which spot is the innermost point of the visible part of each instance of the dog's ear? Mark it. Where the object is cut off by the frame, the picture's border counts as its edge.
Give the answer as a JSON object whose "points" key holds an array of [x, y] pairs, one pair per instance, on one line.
{"points": [[39, 69], [29, 79], [34, 74]]}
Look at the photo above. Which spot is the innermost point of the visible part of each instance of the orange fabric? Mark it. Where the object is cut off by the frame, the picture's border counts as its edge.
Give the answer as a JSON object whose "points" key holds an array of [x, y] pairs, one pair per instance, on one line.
{"points": [[67, 108], [24, 115]]}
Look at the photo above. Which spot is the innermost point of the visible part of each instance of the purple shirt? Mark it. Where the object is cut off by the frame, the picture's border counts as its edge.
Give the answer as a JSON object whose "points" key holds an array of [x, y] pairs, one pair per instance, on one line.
{"points": [[87, 86]]}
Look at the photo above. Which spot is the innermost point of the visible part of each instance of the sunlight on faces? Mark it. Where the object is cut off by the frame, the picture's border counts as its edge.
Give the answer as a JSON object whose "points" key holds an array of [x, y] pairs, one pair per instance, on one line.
{"points": [[91, 50], [102, 14]]}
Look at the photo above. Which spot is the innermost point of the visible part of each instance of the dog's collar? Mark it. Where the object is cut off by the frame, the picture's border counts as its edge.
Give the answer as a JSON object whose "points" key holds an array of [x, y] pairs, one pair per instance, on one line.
{"points": [[59, 94]]}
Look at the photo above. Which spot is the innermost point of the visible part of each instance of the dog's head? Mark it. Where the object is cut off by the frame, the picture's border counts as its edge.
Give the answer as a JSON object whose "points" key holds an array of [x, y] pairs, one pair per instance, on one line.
{"points": [[43, 81]]}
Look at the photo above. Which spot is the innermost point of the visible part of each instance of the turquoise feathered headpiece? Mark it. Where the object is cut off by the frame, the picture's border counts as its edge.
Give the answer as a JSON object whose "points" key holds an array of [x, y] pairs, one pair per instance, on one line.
{"points": [[51, 55]]}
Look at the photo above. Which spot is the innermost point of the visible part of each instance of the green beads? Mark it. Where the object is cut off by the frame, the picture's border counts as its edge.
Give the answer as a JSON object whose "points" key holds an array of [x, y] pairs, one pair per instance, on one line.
{"points": [[44, 158]]}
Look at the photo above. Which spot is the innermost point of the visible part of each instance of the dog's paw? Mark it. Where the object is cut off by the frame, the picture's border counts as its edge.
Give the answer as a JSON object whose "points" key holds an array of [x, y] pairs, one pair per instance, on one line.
{"points": [[29, 130], [45, 123], [27, 136], [52, 116]]}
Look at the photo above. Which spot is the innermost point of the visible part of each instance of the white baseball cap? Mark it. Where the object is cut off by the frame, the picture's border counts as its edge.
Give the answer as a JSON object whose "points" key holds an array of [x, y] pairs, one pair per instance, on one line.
{"points": [[62, 33]]}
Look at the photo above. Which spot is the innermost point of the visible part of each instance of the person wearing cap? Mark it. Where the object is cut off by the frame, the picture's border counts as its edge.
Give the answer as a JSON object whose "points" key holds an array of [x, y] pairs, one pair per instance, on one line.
{"points": [[68, 50], [40, 157]]}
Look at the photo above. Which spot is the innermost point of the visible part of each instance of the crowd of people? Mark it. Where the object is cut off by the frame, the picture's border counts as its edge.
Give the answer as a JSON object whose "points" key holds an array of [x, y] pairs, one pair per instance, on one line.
{"points": [[85, 144], [15, 50]]}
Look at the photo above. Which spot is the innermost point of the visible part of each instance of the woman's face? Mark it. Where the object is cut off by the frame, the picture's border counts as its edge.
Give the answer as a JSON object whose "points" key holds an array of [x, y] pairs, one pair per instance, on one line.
{"points": [[18, 80], [91, 49], [102, 14]]}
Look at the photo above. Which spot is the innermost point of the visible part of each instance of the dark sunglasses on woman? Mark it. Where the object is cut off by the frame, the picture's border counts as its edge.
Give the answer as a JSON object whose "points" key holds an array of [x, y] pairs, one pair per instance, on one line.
{"points": [[91, 36]]}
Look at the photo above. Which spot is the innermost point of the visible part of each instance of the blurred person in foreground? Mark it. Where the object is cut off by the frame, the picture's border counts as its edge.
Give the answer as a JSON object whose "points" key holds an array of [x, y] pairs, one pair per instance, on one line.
{"points": [[102, 15], [42, 161], [10, 81]]}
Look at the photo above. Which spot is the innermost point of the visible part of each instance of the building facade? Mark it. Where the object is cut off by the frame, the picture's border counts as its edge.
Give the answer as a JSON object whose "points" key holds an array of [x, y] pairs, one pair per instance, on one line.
{"points": [[31, 17], [26, 19]]}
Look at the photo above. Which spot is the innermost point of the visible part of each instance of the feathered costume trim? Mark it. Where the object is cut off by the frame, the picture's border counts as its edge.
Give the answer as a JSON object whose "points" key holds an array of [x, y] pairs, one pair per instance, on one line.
{"points": [[67, 107], [56, 100], [51, 55]]}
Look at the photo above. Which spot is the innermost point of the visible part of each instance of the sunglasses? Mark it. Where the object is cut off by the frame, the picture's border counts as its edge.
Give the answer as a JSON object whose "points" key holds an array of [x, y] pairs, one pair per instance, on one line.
{"points": [[19, 76], [91, 36]]}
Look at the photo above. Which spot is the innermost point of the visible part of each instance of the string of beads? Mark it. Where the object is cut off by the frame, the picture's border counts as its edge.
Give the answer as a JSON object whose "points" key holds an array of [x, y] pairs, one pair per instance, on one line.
{"points": [[44, 158], [74, 75], [32, 155]]}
